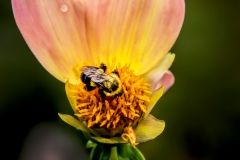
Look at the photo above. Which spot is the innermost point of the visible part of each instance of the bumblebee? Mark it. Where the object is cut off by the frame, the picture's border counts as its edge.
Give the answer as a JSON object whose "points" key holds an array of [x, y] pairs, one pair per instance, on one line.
{"points": [[108, 84]]}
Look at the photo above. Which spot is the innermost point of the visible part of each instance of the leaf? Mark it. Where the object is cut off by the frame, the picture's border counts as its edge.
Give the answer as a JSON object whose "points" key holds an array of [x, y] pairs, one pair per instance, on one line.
{"points": [[149, 128]]}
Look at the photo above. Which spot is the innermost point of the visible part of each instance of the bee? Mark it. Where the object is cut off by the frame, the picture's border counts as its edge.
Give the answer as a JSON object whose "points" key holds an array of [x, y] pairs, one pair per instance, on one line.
{"points": [[108, 84]]}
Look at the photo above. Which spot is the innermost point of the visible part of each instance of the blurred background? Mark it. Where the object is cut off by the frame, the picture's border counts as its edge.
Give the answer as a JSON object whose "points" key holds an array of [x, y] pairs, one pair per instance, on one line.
{"points": [[201, 111]]}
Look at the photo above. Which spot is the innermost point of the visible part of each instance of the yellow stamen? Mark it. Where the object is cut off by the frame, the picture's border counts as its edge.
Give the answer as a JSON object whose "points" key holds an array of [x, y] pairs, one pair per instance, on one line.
{"points": [[82, 105], [129, 135], [113, 114]]}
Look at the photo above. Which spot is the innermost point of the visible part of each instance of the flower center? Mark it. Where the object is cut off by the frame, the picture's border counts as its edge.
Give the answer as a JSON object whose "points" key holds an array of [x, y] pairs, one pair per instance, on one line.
{"points": [[111, 114]]}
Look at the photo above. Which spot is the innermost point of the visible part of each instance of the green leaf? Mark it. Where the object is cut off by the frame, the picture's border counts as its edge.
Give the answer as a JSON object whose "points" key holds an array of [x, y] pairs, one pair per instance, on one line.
{"points": [[149, 128], [76, 123]]}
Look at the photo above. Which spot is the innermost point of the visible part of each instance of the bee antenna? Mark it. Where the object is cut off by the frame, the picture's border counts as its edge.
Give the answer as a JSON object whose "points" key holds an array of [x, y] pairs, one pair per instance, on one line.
{"points": [[103, 67], [116, 72]]}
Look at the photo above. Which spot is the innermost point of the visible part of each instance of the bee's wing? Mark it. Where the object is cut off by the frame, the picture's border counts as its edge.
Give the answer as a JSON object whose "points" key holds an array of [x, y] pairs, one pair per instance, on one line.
{"points": [[98, 78], [89, 70]]}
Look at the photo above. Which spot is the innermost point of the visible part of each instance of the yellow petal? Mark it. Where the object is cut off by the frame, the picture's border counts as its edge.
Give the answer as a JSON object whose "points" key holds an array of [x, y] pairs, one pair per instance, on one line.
{"points": [[154, 98], [71, 95], [76, 123], [136, 32], [155, 75], [149, 128]]}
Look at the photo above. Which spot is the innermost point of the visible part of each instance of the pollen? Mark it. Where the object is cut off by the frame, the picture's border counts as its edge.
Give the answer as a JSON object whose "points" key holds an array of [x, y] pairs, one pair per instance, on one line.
{"points": [[111, 115]]}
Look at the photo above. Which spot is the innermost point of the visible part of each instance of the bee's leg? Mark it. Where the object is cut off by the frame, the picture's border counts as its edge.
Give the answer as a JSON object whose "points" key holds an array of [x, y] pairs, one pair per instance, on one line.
{"points": [[118, 95], [103, 96], [116, 72], [89, 88], [103, 67]]}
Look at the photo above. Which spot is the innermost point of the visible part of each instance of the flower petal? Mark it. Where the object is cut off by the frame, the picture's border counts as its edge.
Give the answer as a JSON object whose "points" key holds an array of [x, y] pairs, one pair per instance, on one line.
{"points": [[149, 128], [70, 95], [64, 34], [155, 76], [76, 123], [136, 32], [167, 80], [154, 98], [55, 31]]}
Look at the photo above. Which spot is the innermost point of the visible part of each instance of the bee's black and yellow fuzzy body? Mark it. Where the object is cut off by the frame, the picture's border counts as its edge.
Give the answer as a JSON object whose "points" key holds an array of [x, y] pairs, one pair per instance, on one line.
{"points": [[108, 84]]}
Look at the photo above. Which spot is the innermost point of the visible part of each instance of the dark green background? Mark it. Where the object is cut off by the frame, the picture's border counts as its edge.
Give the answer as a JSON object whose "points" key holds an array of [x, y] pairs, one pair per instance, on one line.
{"points": [[201, 111]]}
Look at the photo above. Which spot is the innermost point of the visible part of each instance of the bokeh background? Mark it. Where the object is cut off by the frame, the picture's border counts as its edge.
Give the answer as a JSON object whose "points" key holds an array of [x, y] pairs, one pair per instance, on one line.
{"points": [[201, 111]]}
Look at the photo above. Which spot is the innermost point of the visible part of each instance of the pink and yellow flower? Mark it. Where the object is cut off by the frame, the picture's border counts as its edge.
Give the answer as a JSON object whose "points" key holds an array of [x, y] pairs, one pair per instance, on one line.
{"points": [[132, 36]]}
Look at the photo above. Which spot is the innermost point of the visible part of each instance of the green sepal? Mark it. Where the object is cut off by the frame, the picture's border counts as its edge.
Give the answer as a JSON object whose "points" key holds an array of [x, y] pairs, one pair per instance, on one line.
{"points": [[113, 140], [149, 128], [90, 144], [96, 152], [101, 151], [128, 152], [114, 154], [77, 124]]}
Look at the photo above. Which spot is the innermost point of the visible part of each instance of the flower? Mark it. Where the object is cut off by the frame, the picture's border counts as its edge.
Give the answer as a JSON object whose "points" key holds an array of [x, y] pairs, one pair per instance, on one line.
{"points": [[132, 37]]}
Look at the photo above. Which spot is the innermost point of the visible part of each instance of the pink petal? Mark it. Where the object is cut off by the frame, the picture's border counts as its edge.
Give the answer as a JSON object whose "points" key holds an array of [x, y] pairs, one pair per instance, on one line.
{"points": [[160, 74], [167, 80], [64, 34], [55, 31]]}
